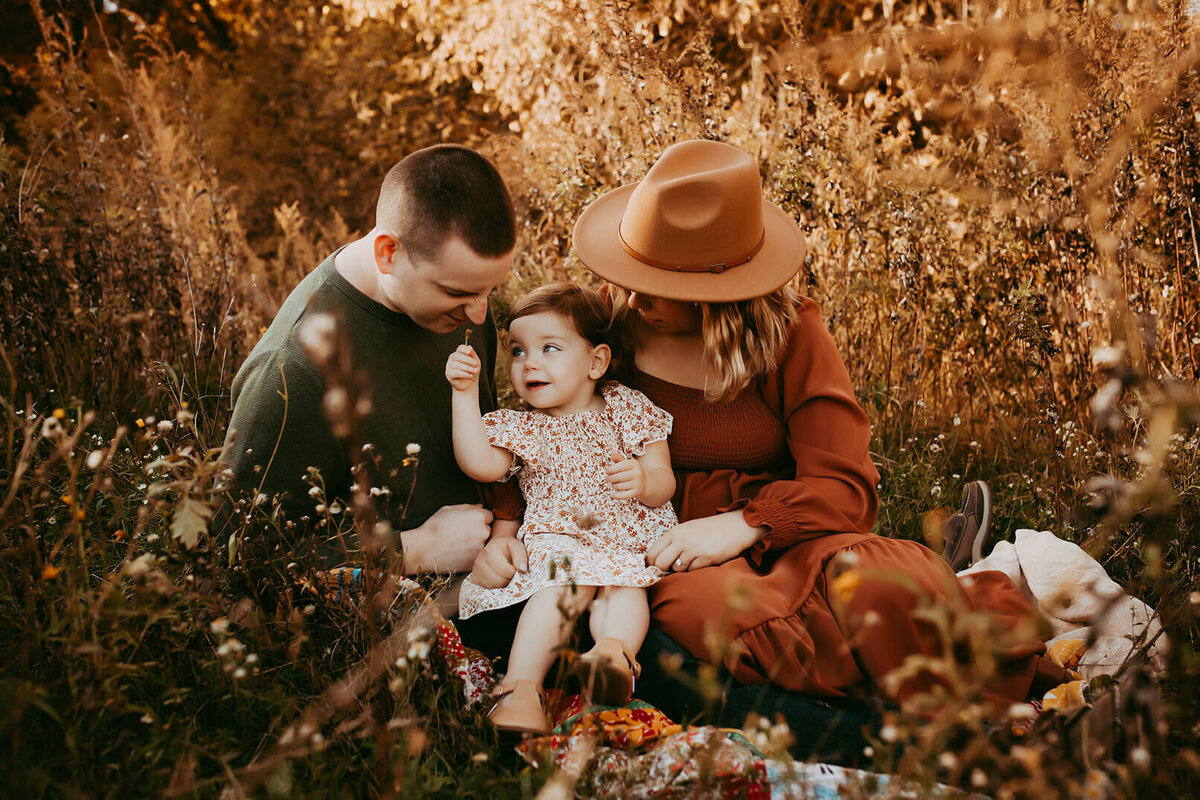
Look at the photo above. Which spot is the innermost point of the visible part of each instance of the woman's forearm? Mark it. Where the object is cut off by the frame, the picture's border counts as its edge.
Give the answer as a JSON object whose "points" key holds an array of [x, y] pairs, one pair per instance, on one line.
{"points": [[741, 530]]}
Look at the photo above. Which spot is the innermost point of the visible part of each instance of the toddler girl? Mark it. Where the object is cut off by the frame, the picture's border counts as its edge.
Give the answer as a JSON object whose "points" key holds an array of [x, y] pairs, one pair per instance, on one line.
{"points": [[593, 465]]}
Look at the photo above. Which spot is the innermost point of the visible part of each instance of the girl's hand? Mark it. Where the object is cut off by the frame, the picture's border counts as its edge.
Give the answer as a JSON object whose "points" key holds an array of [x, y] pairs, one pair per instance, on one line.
{"points": [[500, 560], [462, 368], [627, 476], [703, 542]]}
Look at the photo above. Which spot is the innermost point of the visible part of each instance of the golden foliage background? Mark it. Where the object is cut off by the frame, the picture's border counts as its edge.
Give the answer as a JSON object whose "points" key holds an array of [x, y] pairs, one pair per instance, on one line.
{"points": [[977, 181]]}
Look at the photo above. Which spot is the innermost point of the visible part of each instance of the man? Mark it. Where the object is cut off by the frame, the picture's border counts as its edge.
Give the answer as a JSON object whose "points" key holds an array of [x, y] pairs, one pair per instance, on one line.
{"points": [[443, 239]]}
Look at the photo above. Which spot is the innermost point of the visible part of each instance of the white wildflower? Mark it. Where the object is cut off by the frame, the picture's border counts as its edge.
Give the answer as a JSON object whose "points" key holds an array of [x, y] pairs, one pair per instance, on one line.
{"points": [[139, 566], [318, 337], [1106, 357], [1021, 711]]}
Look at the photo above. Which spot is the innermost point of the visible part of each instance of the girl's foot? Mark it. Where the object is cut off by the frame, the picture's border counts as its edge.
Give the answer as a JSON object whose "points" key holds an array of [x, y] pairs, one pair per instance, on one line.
{"points": [[519, 709], [607, 673]]}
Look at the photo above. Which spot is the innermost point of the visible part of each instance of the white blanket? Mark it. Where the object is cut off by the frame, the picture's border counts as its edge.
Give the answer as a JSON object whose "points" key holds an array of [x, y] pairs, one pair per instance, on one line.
{"points": [[1076, 594]]}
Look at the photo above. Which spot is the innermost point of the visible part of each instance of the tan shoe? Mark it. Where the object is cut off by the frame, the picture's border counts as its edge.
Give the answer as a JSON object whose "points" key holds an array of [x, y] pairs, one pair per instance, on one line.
{"points": [[607, 672], [518, 709]]}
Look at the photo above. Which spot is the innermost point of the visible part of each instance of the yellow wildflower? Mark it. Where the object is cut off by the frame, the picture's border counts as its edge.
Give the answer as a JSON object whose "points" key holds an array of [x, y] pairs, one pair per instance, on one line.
{"points": [[50, 572], [846, 584], [1066, 697]]}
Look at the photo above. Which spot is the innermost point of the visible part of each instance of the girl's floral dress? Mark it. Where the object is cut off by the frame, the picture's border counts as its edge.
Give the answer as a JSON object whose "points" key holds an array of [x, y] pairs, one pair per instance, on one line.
{"points": [[574, 530]]}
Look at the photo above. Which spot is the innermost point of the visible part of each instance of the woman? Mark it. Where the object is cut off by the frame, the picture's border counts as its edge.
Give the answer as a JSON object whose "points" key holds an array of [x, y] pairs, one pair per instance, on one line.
{"points": [[776, 489]]}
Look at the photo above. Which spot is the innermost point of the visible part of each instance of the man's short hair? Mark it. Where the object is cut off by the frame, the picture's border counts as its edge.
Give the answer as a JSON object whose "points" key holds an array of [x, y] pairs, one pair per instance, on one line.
{"points": [[443, 191]]}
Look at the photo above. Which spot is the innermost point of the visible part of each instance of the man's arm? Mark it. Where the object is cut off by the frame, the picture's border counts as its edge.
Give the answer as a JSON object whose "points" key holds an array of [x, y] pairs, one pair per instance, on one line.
{"points": [[278, 430], [449, 541]]}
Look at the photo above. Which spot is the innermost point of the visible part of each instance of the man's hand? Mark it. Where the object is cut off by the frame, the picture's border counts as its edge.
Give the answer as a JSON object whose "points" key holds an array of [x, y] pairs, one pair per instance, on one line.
{"points": [[627, 476], [462, 368], [702, 542], [449, 541], [500, 560]]}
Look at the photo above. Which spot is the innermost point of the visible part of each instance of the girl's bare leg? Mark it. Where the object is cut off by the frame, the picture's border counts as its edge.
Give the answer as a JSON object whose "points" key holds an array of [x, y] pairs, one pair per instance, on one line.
{"points": [[621, 612], [543, 629]]}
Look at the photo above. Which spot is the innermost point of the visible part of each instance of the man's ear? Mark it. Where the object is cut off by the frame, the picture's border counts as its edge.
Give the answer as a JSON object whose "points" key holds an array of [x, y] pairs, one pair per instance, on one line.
{"points": [[601, 358], [388, 251]]}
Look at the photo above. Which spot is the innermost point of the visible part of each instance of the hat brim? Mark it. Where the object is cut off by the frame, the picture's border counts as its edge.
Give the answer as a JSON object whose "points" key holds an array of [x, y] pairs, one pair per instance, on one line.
{"points": [[596, 242]]}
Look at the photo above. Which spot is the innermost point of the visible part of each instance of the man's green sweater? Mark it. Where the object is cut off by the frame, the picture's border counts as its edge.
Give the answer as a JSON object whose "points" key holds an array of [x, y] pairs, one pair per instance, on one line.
{"points": [[405, 367]]}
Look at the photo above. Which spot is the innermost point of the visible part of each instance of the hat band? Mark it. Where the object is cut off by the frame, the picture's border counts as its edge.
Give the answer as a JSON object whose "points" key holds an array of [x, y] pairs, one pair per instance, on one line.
{"points": [[716, 268]]}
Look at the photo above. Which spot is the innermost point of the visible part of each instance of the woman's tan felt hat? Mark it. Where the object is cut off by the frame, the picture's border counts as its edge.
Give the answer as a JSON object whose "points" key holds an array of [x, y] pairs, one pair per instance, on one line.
{"points": [[695, 228]]}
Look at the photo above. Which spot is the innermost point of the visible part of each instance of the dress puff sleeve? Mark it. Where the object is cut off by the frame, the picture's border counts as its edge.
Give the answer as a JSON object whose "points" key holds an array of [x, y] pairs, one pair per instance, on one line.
{"points": [[833, 487], [509, 429], [638, 421]]}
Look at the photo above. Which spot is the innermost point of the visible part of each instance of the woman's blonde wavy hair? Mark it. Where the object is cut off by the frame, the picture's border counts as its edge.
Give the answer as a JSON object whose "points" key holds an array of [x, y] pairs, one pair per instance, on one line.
{"points": [[743, 340]]}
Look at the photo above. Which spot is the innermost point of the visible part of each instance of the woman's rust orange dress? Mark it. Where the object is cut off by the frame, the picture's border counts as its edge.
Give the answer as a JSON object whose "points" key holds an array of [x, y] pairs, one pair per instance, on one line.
{"points": [[791, 451]]}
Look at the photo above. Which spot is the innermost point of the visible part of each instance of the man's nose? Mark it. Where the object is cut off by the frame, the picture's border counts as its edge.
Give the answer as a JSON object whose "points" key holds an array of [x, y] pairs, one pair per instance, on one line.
{"points": [[637, 301], [477, 309]]}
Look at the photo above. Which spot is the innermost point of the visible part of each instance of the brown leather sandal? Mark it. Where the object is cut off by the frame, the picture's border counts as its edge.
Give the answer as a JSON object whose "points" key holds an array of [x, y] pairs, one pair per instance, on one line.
{"points": [[518, 709], [607, 672]]}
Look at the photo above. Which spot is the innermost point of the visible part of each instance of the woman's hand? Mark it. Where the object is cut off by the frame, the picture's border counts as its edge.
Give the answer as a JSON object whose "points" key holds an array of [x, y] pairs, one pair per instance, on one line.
{"points": [[703, 542]]}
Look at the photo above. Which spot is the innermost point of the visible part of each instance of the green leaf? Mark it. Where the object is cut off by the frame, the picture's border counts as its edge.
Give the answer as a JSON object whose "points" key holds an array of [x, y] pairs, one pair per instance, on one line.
{"points": [[191, 520], [279, 783]]}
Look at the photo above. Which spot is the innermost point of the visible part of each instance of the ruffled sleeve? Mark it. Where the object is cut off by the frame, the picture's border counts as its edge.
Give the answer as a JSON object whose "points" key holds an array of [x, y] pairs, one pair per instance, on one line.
{"points": [[509, 429], [833, 487], [638, 421]]}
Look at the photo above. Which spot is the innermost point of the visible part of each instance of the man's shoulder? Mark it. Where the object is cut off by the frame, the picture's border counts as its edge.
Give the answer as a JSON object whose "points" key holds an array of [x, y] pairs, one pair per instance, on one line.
{"points": [[279, 362], [279, 342]]}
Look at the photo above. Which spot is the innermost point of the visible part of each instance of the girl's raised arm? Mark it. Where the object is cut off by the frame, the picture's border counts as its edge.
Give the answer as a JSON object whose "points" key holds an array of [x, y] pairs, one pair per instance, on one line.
{"points": [[477, 457]]}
